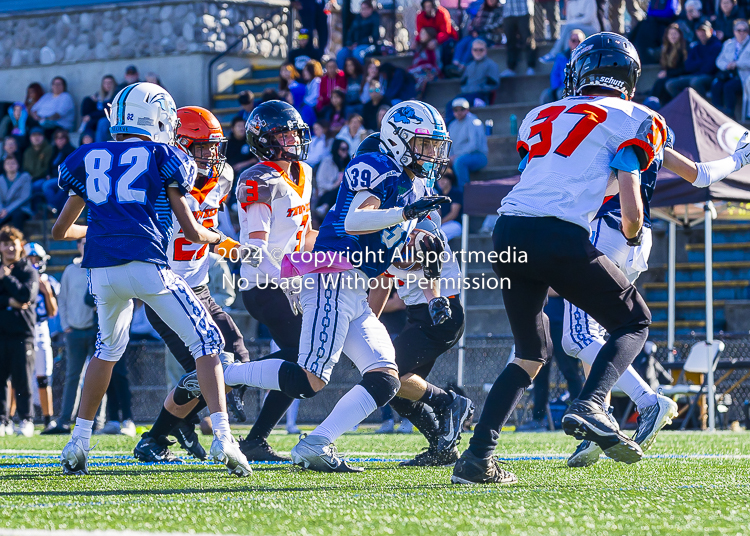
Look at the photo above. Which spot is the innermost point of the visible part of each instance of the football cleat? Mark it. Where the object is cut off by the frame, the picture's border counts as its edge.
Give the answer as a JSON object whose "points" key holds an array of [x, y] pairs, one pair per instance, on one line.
{"points": [[432, 457], [652, 419], [318, 454], [586, 420], [188, 439], [451, 421], [258, 450], [225, 450], [587, 453], [236, 403], [154, 450], [74, 458], [472, 470]]}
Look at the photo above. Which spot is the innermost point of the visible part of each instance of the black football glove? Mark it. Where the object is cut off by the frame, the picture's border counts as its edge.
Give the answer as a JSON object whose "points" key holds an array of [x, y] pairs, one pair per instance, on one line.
{"points": [[422, 207], [430, 249], [636, 240], [440, 310]]}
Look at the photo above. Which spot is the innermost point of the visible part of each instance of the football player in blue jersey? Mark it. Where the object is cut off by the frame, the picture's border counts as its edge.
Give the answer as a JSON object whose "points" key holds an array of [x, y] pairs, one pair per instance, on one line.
{"points": [[380, 200], [131, 186]]}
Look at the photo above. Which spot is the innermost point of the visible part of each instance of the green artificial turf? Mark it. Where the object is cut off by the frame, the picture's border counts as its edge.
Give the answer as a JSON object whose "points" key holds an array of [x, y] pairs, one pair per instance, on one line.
{"points": [[697, 484]]}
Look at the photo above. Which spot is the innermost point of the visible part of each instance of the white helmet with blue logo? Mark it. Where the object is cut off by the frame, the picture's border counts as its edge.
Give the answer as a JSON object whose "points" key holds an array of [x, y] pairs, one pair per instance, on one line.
{"points": [[414, 133], [34, 249], [144, 109]]}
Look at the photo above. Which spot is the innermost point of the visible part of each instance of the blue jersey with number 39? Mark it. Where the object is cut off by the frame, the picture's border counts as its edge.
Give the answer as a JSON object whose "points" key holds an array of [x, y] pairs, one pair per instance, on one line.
{"points": [[385, 179], [125, 186]]}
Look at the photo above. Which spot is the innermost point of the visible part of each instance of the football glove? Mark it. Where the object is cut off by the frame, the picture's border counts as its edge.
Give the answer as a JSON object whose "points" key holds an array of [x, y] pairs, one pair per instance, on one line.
{"points": [[636, 240], [421, 207], [440, 310], [246, 254], [292, 291], [742, 152], [429, 256]]}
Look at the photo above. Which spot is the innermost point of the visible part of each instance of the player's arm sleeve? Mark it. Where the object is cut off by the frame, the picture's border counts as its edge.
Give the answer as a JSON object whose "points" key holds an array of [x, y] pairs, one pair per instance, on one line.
{"points": [[626, 160], [253, 189], [258, 217], [178, 170], [648, 140], [369, 220], [71, 180]]}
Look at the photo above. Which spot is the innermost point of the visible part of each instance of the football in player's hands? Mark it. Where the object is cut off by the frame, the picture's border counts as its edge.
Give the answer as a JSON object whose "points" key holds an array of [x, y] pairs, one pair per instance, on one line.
{"points": [[440, 310], [430, 248], [422, 207], [742, 152]]}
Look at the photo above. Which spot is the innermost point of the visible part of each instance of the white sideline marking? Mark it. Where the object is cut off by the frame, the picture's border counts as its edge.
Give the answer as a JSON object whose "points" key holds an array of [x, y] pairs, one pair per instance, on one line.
{"points": [[109, 532]]}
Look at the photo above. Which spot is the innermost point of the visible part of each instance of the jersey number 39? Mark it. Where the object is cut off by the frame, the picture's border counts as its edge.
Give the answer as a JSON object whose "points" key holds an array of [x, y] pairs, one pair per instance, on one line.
{"points": [[98, 162]]}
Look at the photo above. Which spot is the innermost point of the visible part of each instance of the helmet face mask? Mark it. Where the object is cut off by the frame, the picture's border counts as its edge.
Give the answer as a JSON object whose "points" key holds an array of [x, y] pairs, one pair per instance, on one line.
{"points": [[276, 131], [36, 254], [431, 156], [200, 135]]}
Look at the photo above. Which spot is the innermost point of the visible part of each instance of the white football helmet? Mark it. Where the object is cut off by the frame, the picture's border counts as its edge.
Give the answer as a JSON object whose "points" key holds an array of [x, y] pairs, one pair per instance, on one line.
{"points": [[144, 109], [414, 133]]}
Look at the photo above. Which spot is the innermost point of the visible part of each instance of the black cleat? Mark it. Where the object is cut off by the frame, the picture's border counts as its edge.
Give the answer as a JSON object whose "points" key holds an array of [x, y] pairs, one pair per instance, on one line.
{"points": [[432, 457], [588, 421], [451, 421], [152, 450], [258, 450], [58, 429], [188, 440], [236, 403], [472, 470]]}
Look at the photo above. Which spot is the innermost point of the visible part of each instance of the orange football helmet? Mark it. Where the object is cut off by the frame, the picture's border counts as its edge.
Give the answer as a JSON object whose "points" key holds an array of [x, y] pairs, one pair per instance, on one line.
{"points": [[200, 135]]}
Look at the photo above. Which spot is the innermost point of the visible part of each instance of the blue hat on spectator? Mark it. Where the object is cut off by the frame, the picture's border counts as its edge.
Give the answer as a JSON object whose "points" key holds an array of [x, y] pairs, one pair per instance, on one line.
{"points": [[36, 130]]}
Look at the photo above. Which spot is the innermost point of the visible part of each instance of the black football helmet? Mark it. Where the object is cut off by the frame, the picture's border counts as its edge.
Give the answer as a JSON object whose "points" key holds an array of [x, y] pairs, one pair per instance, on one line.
{"points": [[371, 144], [268, 120], [605, 60]]}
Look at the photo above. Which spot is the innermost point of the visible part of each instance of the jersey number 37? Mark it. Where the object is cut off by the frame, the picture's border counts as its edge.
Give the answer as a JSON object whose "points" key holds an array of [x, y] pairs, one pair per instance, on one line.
{"points": [[98, 163]]}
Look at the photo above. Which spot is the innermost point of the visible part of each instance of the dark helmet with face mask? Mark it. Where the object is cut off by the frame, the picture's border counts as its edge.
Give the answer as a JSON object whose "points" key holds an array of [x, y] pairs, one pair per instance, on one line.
{"points": [[275, 117]]}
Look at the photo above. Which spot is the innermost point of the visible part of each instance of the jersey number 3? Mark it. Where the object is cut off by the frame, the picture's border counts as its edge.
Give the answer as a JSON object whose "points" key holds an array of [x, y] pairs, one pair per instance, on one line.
{"points": [[98, 162], [592, 116]]}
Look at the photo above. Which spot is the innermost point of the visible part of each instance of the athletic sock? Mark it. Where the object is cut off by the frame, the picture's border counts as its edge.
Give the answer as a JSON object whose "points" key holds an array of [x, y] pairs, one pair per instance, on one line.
{"points": [[220, 424], [83, 431], [501, 401], [47, 419], [163, 424], [435, 397], [420, 415], [273, 410], [353, 408], [263, 373]]}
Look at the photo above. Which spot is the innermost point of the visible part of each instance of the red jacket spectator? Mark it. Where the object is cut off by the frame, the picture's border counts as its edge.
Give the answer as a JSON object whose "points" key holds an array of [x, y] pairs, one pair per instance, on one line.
{"points": [[439, 18], [328, 83]]}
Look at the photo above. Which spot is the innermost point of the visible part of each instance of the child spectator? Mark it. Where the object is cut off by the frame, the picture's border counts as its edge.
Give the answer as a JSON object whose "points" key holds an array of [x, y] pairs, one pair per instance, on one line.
{"points": [[56, 108], [93, 110], [333, 78], [353, 73], [425, 67], [14, 124], [288, 84], [353, 133], [37, 157], [673, 56], [700, 65], [15, 194], [370, 109], [363, 34], [334, 113]]}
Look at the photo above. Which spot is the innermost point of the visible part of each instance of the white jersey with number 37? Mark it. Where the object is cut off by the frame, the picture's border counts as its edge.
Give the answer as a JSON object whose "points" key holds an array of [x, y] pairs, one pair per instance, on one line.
{"points": [[570, 146]]}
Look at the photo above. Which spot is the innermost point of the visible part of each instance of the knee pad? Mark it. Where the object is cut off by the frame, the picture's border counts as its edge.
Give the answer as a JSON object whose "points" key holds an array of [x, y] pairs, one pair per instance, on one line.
{"points": [[187, 389], [381, 386], [293, 381], [42, 382]]}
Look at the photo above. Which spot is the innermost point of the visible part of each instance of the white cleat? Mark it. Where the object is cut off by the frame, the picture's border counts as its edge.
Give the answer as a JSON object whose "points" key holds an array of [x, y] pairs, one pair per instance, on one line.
{"points": [[26, 428], [654, 418], [74, 458], [225, 450]]}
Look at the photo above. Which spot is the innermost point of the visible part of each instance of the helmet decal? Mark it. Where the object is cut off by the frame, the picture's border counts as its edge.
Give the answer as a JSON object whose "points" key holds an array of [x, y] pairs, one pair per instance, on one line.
{"points": [[406, 115]]}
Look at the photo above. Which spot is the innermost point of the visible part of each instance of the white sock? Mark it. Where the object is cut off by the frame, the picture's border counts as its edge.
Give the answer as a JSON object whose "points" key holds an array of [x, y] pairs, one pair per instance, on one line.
{"points": [[263, 374], [353, 408], [83, 430], [220, 424]]}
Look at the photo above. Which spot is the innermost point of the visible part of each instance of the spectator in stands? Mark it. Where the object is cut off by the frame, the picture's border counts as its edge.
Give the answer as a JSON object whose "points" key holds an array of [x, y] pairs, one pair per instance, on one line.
{"points": [[450, 213], [581, 15], [15, 194], [78, 322], [37, 157], [363, 34], [700, 65], [425, 66], [469, 150], [61, 149], [334, 113], [299, 57], [734, 68], [93, 110], [617, 14], [15, 123], [647, 34], [34, 92], [288, 84], [56, 108], [153, 78], [557, 76], [433, 15], [729, 12], [311, 76], [487, 24], [371, 107], [329, 175], [246, 100], [399, 84], [86, 138], [19, 286], [673, 56], [480, 79], [239, 155], [518, 24], [319, 145], [372, 72], [552, 9], [353, 133], [313, 16], [131, 77], [10, 148], [332, 79], [354, 78], [689, 19]]}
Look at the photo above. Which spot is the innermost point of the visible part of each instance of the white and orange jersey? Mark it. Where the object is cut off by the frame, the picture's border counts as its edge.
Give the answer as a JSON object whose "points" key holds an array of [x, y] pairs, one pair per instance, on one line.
{"points": [[270, 201], [570, 146], [187, 259]]}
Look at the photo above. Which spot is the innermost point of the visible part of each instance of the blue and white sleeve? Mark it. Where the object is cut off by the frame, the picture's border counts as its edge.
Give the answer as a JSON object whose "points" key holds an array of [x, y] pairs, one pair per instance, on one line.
{"points": [[179, 169]]}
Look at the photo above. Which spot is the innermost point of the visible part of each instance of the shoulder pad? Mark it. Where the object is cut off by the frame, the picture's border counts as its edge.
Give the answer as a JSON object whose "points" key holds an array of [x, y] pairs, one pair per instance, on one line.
{"points": [[253, 186], [649, 140], [369, 170]]}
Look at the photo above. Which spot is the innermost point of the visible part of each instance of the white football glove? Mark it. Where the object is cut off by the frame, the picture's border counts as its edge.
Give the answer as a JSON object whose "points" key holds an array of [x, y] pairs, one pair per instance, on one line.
{"points": [[742, 152], [292, 292], [250, 254]]}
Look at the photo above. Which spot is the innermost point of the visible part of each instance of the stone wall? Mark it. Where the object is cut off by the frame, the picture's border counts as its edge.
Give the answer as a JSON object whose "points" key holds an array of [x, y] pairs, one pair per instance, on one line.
{"points": [[142, 30]]}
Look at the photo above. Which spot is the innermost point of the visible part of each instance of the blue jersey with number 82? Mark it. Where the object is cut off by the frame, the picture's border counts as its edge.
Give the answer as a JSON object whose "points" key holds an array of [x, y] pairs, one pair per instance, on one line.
{"points": [[125, 186], [383, 178]]}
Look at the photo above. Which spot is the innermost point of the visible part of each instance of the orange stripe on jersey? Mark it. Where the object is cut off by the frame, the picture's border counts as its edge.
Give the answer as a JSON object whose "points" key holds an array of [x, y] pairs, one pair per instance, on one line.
{"points": [[299, 188], [656, 137], [200, 193]]}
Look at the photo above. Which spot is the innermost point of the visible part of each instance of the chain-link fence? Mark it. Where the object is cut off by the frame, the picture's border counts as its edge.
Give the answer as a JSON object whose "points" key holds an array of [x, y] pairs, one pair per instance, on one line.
{"points": [[484, 358]]}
